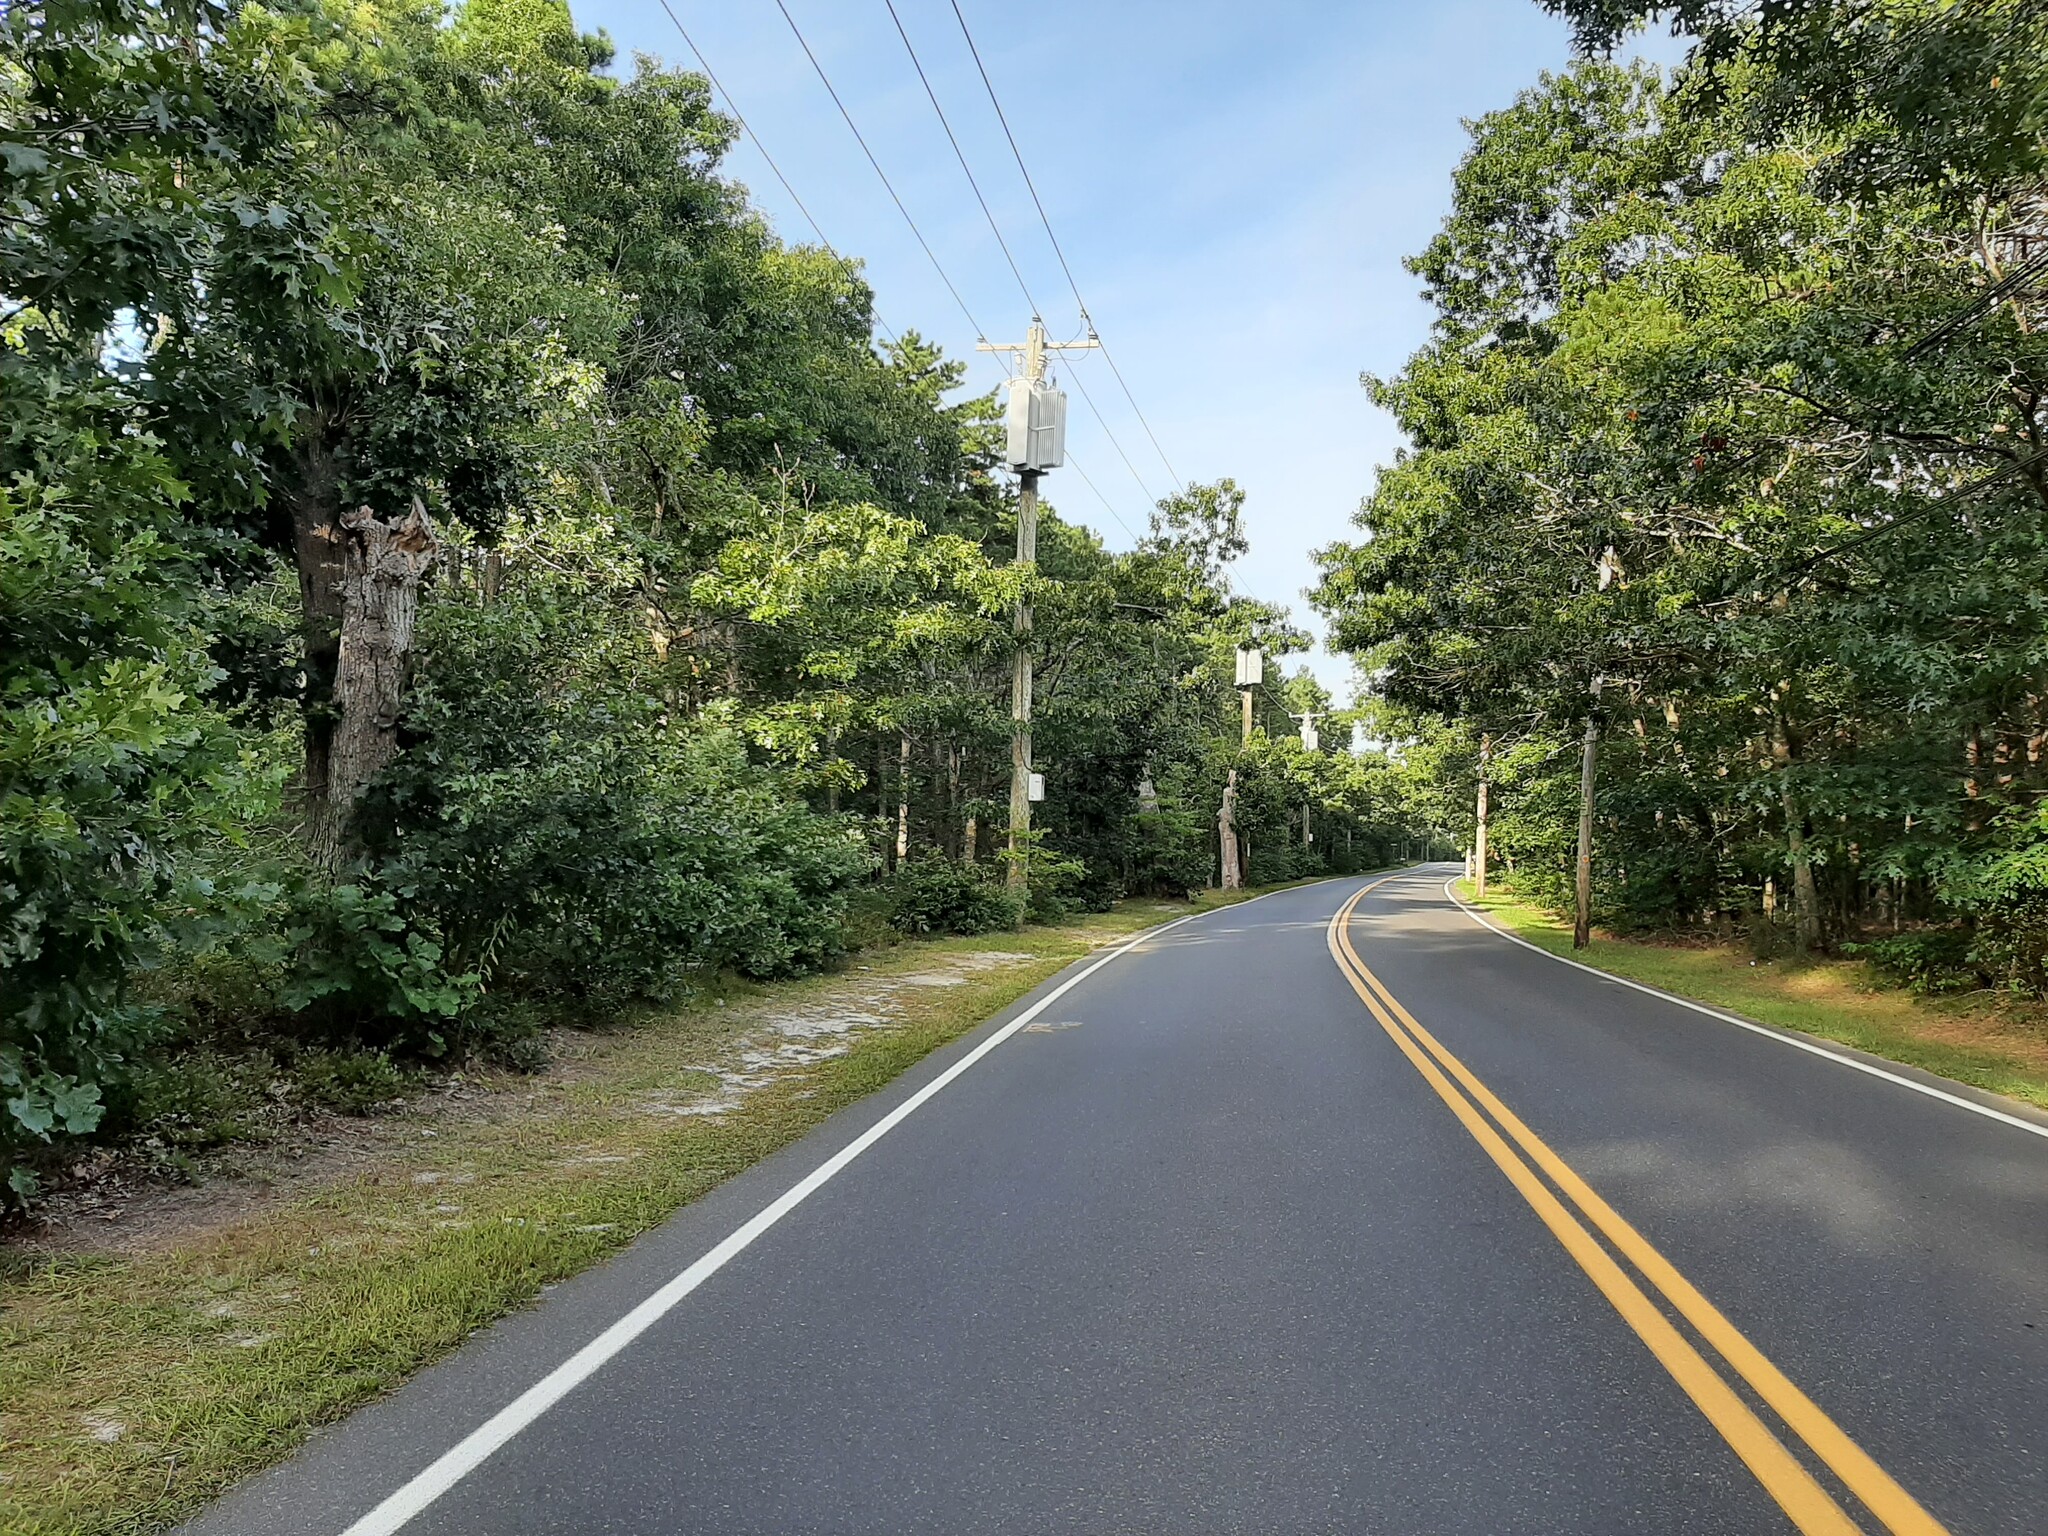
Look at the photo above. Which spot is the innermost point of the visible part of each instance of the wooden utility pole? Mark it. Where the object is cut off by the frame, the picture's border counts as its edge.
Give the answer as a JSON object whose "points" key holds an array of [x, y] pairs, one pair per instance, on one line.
{"points": [[1029, 459], [1020, 682], [1479, 839], [1582, 923]]}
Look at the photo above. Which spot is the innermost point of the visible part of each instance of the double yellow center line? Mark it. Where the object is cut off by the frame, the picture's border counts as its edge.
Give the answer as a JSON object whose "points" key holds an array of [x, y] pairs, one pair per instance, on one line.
{"points": [[1547, 1183]]}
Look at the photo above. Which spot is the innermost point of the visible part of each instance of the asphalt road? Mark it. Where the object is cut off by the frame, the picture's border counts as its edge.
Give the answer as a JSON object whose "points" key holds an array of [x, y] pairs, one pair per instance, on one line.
{"points": [[1225, 1241]]}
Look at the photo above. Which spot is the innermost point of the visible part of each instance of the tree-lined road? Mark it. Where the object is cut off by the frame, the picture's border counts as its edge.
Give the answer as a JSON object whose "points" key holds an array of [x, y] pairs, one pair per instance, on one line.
{"points": [[1306, 1215]]}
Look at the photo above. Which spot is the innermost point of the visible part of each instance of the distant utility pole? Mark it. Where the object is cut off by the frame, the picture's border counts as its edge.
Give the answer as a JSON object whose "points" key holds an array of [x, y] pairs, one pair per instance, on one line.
{"points": [[1479, 838], [1310, 742], [1251, 671], [1582, 916], [1036, 434]]}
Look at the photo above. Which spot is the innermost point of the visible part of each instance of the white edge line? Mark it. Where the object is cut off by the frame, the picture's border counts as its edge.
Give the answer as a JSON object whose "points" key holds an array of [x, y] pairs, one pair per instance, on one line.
{"points": [[1797, 1042], [467, 1454]]}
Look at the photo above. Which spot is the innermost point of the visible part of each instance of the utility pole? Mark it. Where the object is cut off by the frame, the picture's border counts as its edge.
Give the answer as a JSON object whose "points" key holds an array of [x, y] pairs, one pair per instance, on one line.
{"points": [[1251, 671], [1479, 838], [1310, 742], [1582, 924], [1036, 431]]}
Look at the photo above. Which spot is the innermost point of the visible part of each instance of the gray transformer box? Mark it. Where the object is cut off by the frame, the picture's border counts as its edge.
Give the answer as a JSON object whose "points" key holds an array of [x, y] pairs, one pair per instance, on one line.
{"points": [[1036, 424]]}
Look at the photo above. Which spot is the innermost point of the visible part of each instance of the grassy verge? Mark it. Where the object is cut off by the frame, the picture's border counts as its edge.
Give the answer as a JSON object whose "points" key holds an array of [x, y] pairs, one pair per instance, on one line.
{"points": [[1996, 1043], [136, 1385]]}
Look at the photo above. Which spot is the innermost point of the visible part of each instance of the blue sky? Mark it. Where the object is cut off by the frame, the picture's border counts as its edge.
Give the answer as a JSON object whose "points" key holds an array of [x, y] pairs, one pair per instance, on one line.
{"points": [[1235, 185]]}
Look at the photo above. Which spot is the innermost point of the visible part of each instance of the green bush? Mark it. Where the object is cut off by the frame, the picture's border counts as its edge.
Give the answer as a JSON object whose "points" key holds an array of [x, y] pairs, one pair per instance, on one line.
{"points": [[199, 1098], [1932, 961], [353, 1082], [112, 768], [934, 894], [363, 968], [1173, 852], [561, 833]]}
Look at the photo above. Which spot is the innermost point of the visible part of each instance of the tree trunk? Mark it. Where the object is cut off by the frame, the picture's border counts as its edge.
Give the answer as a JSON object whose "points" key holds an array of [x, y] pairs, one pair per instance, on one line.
{"points": [[903, 799], [381, 569], [1805, 898], [1226, 836], [311, 495], [1582, 918]]}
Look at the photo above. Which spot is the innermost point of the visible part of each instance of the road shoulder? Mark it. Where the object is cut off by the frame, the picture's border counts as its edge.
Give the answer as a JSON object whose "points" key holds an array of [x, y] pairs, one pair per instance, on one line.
{"points": [[1998, 1048]]}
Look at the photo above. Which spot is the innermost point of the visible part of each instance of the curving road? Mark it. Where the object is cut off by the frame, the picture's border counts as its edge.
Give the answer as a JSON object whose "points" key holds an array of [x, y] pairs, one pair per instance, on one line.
{"points": [[1334, 1212]]}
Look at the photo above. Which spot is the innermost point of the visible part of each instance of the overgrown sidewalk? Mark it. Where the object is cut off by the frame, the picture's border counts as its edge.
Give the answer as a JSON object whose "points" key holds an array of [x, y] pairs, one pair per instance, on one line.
{"points": [[1993, 1041], [149, 1362]]}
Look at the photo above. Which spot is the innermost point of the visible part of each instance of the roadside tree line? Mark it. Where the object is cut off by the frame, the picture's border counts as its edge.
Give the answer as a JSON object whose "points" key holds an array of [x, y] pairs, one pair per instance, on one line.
{"points": [[1727, 452], [460, 569]]}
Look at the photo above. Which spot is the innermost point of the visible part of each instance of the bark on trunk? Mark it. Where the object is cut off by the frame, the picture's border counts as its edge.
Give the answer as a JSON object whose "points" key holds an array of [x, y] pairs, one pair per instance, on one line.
{"points": [[312, 497], [1805, 897], [1226, 836], [382, 565], [903, 799]]}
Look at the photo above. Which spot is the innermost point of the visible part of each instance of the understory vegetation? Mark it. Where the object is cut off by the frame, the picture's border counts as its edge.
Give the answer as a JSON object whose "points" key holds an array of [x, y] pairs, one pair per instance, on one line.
{"points": [[461, 571], [1728, 464]]}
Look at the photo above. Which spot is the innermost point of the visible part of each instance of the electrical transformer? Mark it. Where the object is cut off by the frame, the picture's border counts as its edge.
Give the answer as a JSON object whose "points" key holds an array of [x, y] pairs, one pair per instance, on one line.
{"points": [[1037, 426], [1251, 667]]}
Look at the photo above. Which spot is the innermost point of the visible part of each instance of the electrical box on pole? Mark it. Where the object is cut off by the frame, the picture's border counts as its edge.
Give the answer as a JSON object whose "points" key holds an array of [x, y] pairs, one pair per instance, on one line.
{"points": [[1310, 741], [1035, 788], [1035, 426], [1251, 666]]}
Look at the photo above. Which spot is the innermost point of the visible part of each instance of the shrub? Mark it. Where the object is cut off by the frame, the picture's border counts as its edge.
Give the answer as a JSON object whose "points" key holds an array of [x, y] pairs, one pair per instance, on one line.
{"points": [[934, 894], [1173, 852], [354, 1082], [364, 969], [1931, 961], [559, 832], [111, 766], [199, 1098]]}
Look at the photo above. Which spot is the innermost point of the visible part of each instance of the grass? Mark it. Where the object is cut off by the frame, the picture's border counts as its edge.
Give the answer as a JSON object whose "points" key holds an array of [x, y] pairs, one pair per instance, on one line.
{"points": [[134, 1387], [1988, 1041]]}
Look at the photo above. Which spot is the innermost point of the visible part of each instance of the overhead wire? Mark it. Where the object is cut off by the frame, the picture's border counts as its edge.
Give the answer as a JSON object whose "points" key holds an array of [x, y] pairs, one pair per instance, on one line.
{"points": [[883, 175], [925, 245], [1038, 203], [995, 228], [760, 148], [958, 154]]}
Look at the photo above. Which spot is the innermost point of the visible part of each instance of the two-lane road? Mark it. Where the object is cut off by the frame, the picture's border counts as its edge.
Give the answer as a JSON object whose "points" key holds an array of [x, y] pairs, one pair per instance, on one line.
{"points": [[1334, 1212]]}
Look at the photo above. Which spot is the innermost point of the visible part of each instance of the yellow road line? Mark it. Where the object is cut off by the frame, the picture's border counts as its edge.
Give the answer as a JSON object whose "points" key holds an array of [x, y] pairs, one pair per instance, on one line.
{"points": [[1809, 1505]]}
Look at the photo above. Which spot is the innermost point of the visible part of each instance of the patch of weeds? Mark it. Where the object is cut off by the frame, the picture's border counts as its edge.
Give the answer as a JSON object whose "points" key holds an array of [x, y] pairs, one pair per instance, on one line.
{"points": [[867, 924], [204, 1098], [353, 1082]]}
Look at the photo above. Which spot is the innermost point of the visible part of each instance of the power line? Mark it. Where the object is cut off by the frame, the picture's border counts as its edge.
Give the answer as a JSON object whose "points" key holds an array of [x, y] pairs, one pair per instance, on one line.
{"points": [[1025, 171], [933, 97], [990, 88], [1096, 412], [858, 139], [1008, 257], [746, 128]]}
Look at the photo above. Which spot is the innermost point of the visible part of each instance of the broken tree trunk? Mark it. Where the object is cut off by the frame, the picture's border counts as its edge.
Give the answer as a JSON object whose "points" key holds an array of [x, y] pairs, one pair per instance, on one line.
{"points": [[381, 568], [1226, 836]]}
